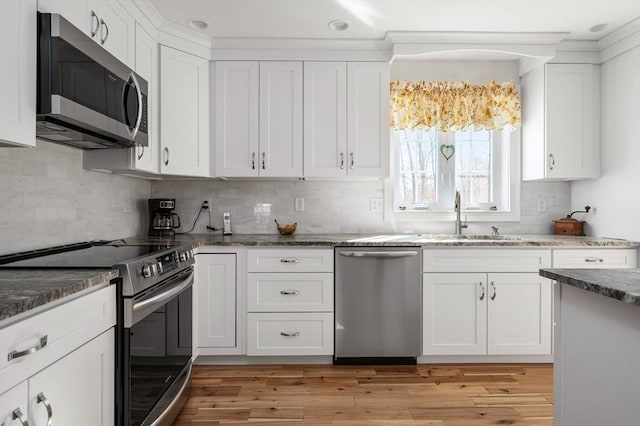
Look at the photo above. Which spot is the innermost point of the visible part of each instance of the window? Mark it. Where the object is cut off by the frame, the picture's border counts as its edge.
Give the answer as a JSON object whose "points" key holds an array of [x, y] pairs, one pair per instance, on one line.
{"points": [[429, 166]]}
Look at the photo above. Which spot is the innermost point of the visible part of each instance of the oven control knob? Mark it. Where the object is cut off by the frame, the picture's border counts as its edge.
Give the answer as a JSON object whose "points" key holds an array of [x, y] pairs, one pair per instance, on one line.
{"points": [[152, 269], [147, 271], [186, 255]]}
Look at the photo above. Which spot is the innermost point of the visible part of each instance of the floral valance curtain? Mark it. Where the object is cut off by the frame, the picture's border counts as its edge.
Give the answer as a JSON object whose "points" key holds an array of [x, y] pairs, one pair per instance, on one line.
{"points": [[454, 105]]}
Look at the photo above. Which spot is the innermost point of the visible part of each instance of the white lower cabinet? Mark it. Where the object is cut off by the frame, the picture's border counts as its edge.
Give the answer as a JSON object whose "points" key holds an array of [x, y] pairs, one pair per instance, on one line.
{"points": [[291, 333], [216, 298], [290, 301], [59, 366], [480, 314], [79, 388]]}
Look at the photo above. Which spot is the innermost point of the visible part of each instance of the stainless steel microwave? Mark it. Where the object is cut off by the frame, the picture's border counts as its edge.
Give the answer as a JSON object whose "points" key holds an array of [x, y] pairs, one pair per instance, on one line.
{"points": [[86, 97]]}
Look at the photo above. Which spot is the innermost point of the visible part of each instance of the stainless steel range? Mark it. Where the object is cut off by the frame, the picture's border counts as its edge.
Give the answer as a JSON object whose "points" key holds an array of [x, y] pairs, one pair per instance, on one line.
{"points": [[153, 336]]}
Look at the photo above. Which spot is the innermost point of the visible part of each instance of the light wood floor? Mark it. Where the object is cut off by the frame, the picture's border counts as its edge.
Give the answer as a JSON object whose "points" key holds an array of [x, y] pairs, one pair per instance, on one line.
{"points": [[434, 395]]}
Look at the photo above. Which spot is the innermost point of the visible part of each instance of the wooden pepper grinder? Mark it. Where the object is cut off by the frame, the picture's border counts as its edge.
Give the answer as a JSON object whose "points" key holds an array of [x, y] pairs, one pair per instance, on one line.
{"points": [[570, 226]]}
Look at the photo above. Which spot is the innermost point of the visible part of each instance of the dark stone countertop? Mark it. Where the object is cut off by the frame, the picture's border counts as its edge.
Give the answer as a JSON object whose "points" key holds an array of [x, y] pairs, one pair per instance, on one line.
{"points": [[414, 240], [619, 284], [23, 290]]}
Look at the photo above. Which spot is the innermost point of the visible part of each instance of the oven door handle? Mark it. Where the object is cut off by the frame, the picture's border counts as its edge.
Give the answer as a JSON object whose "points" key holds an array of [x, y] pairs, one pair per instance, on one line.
{"points": [[167, 295]]}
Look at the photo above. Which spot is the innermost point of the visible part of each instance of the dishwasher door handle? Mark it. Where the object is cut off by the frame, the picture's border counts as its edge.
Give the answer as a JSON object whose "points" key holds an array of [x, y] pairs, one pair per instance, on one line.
{"points": [[383, 254]]}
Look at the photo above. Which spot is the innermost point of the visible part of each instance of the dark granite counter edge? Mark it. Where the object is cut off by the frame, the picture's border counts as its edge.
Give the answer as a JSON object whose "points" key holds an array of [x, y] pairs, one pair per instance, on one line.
{"points": [[58, 285], [563, 276]]}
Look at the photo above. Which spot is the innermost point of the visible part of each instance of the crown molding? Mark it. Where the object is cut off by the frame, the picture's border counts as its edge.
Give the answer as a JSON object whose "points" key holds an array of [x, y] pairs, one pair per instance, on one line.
{"points": [[620, 41], [471, 37]]}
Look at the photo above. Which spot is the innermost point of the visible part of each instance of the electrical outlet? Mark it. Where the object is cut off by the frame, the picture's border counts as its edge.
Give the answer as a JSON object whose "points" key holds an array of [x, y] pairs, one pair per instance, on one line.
{"points": [[376, 205], [298, 204], [542, 205], [126, 205], [205, 204]]}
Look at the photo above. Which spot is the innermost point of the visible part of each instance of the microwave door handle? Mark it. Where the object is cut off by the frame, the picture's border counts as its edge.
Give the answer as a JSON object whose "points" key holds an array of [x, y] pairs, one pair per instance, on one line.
{"points": [[132, 81]]}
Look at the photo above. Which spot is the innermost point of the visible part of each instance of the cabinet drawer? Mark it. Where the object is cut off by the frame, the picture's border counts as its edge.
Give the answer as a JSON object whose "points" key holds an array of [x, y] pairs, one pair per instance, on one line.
{"points": [[595, 258], [65, 327], [485, 260], [289, 334], [290, 292], [290, 260]]}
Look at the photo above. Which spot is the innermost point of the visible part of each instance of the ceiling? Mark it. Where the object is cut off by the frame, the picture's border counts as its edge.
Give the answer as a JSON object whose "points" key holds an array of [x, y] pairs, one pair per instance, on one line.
{"points": [[372, 19]]}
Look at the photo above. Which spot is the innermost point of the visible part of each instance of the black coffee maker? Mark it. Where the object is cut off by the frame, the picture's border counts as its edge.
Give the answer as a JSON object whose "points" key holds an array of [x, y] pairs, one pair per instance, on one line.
{"points": [[162, 219]]}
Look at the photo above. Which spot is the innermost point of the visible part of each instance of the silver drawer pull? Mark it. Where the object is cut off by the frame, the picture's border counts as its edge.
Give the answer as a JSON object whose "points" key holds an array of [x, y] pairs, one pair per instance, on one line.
{"points": [[19, 354], [482, 295], [290, 292], [290, 333], [289, 260], [593, 260], [493, 286], [17, 415], [47, 405]]}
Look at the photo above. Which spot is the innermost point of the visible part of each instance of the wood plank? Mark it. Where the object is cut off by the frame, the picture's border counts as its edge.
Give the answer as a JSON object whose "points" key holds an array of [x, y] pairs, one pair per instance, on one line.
{"points": [[280, 414]]}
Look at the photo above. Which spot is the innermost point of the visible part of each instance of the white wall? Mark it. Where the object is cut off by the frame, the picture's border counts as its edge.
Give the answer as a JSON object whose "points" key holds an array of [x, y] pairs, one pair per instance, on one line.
{"points": [[46, 199], [616, 194]]}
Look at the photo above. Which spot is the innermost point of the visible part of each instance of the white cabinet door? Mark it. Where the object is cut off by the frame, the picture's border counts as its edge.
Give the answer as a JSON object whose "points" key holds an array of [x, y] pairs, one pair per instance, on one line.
{"points": [[455, 313], [184, 113], [519, 314], [78, 387], [325, 119], [368, 119], [281, 119], [13, 406], [146, 64], [112, 27], [74, 11], [236, 115], [216, 300], [18, 72], [560, 130]]}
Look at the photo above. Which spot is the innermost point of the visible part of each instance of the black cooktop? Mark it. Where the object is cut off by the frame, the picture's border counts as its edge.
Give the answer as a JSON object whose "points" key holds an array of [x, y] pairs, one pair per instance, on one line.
{"points": [[92, 254]]}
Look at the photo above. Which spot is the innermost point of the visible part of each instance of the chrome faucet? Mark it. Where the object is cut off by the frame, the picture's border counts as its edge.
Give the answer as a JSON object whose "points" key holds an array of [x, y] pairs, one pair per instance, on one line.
{"points": [[459, 224]]}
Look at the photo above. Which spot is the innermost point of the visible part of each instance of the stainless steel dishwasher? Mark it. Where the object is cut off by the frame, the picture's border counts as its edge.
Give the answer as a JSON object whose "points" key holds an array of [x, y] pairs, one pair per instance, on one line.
{"points": [[378, 305]]}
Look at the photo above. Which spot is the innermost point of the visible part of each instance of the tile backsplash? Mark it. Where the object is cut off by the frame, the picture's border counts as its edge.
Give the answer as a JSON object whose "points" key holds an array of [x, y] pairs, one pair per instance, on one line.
{"points": [[46, 199], [335, 206]]}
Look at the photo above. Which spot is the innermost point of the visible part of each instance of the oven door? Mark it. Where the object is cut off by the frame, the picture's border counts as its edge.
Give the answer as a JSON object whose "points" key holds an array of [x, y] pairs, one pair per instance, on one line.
{"points": [[157, 351]]}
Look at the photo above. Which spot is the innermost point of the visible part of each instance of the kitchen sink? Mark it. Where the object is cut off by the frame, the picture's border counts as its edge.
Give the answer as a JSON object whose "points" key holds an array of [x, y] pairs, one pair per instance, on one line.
{"points": [[426, 238]]}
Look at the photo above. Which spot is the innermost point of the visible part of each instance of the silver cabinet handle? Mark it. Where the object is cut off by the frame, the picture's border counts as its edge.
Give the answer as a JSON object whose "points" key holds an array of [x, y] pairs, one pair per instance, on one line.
{"points": [[141, 152], [19, 354], [94, 19], [351, 161], [133, 81], [289, 260], [483, 294], [253, 161], [166, 156], [552, 163], [47, 405], [290, 333], [17, 415], [493, 286], [342, 161], [264, 155], [593, 260], [290, 292], [104, 34], [407, 253]]}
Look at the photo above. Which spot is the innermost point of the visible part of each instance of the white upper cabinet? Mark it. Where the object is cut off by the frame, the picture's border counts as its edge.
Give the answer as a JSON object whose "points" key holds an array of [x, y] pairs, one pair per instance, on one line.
{"points": [[258, 119], [146, 64], [74, 11], [184, 113], [560, 129], [18, 72], [110, 25], [346, 119], [368, 118], [281, 119], [236, 105], [325, 119]]}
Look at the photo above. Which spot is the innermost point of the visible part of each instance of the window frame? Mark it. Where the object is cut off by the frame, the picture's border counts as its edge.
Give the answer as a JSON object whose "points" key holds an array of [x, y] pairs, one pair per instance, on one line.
{"points": [[512, 167]]}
